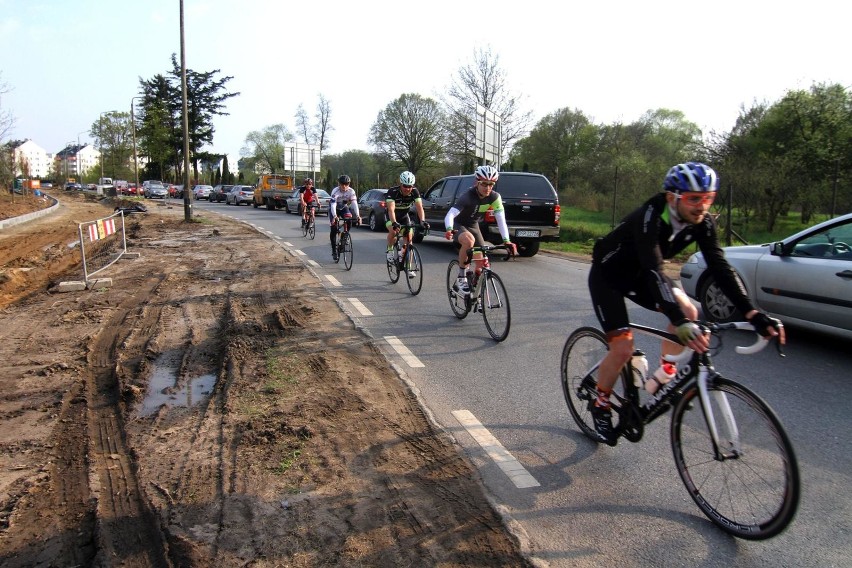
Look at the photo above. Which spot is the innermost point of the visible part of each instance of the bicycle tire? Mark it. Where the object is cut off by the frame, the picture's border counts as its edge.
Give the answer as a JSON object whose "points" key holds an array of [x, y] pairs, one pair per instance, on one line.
{"points": [[494, 303], [584, 349], [347, 251], [312, 229], [304, 228], [459, 303], [393, 265], [413, 270], [753, 495]]}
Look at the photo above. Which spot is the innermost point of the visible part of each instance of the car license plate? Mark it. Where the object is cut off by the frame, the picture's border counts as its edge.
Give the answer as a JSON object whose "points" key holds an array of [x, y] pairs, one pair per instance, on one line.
{"points": [[527, 233]]}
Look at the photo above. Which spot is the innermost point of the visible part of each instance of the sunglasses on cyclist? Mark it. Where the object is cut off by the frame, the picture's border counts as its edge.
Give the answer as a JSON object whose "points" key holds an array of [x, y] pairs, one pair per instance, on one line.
{"points": [[697, 198], [487, 183], [407, 186]]}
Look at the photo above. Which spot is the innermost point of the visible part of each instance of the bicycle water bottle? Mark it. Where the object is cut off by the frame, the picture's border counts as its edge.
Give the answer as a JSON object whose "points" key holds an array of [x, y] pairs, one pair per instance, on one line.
{"points": [[640, 368], [661, 376]]}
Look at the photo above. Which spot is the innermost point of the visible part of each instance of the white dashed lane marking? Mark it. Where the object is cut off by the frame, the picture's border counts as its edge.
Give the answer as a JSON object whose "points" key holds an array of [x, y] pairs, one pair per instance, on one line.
{"points": [[495, 450], [403, 351], [334, 281], [362, 309]]}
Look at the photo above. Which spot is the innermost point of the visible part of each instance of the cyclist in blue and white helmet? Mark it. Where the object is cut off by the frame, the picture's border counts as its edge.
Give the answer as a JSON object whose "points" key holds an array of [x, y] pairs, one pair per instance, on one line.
{"points": [[487, 173], [628, 263], [406, 178]]}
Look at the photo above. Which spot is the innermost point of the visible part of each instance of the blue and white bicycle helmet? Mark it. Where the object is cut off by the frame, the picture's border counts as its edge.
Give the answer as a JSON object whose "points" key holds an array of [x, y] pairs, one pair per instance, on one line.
{"points": [[406, 178], [487, 173], [691, 176]]}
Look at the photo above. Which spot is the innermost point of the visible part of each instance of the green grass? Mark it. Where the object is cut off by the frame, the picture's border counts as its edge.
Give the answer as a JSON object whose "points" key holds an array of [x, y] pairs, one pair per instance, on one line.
{"points": [[580, 228]]}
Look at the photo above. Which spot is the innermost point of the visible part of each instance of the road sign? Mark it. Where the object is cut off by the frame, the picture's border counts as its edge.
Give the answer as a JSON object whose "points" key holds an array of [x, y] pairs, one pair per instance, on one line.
{"points": [[488, 136]]}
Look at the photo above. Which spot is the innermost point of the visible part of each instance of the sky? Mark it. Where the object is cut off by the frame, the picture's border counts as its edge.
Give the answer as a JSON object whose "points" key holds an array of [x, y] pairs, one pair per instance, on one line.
{"points": [[66, 62]]}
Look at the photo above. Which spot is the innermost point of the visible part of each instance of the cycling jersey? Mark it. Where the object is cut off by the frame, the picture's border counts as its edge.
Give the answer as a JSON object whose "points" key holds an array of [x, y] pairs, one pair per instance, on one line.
{"points": [[308, 194], [401, 202], [469, 209], [340, 200], [629, 261]]}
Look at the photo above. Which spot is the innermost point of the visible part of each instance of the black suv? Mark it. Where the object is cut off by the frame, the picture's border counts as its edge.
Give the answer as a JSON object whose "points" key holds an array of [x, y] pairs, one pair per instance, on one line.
{"points": [[531, 204]]}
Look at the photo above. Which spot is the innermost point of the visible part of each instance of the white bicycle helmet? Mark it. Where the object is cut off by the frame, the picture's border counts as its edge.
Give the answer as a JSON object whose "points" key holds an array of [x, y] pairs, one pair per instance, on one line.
{"points": [[487, 173], [406, 178]]}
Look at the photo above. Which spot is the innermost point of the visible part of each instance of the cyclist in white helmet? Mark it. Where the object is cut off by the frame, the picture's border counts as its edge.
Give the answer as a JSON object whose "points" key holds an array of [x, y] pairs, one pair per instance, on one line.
{"points": [[468, 209], [403, 197]]}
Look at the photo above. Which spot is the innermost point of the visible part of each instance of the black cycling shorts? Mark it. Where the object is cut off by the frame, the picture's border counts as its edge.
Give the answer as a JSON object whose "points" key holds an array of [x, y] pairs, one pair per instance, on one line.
{"points": [[608, 299]]}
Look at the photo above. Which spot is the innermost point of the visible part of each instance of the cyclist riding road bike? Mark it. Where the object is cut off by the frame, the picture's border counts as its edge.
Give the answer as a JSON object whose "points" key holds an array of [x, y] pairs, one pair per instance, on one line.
{"points": [[404, 195], [468, 209], [343, 199], [307, 196], [628, 262]]}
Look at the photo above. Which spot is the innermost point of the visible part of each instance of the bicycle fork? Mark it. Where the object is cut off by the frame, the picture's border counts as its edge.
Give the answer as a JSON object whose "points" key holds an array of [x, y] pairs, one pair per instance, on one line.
{"points": [[725, 425]]}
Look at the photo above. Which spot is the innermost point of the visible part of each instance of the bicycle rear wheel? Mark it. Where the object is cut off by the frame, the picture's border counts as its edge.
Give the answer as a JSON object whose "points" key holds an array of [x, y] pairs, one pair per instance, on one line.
{"points": [[346, 250], [753, 492], [459, 301], [413, 270], [393, 265], [494, 302], [584, 350]]}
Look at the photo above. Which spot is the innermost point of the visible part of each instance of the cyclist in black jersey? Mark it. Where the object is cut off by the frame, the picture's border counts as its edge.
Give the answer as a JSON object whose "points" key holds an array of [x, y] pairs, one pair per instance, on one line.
{"points": [[468, 209], [628, 262], [403, 196]]}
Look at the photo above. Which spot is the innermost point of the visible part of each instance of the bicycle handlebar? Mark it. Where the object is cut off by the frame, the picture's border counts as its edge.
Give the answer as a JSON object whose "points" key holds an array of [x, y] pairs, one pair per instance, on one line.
{"points": [[489, 248], [712, 327]]}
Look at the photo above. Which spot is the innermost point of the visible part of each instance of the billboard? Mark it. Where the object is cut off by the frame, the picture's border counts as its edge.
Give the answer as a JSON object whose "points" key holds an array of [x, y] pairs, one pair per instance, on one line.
{"points": [[300, 157], [488, 136]]}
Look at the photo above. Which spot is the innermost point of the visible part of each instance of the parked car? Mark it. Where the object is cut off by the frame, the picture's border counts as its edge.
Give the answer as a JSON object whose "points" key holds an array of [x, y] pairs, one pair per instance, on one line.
{"points": [[219, 193], [132, 189], [292, 203], [804, 280], [239, 194], [175, 191], [156, 191], [202, 191], [373, 209], [529, 200], [73, 186], [148, 182]]}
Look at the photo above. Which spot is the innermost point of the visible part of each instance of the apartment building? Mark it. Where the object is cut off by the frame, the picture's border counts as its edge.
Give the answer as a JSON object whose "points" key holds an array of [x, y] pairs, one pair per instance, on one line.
{"points": [[75, 160], [31, 160]]}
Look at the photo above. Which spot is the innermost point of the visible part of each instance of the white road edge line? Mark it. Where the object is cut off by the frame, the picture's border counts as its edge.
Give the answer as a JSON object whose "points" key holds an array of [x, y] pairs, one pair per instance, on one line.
{"points": [[334, 281], [505, 461], [360, 307], [403, 351]]}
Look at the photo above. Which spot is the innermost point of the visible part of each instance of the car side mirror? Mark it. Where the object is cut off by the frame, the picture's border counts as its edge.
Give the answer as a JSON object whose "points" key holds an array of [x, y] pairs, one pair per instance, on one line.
{"points": [[778, 249]]}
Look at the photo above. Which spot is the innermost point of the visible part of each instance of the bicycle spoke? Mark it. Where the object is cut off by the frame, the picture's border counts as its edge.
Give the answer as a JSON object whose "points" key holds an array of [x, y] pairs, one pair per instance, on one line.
{"points": [[413, 270], [347, 253], [584, 350], [459, 302]]}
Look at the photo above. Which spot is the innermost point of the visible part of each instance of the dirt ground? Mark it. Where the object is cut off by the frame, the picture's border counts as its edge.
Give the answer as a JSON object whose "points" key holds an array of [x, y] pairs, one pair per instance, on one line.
{"points": [[214, 406]]}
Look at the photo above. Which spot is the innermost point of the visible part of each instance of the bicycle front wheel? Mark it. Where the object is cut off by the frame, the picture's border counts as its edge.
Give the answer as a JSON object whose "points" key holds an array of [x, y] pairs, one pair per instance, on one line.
{"points": [[346, 250], [494, 303], [413, 270], [459, 301], [312, 228], [752, 490], [305, 228]]}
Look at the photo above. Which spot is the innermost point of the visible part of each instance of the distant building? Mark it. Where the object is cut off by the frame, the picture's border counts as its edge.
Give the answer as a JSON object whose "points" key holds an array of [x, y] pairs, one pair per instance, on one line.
{"points": [[31, 160], [74, 161]]}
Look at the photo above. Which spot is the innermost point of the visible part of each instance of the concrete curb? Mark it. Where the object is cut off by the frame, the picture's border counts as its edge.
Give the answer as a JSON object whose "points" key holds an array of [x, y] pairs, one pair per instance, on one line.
{"points": [[30, 216]]}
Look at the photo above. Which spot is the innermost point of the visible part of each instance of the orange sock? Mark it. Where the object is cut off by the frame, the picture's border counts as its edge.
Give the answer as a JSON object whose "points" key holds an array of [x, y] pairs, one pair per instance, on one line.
{"points": [[603, 398]]}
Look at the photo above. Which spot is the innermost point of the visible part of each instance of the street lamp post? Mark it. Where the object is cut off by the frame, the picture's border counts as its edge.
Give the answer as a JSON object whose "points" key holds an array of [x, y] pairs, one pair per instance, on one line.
{"points": [[135, 158], [77, 171]]}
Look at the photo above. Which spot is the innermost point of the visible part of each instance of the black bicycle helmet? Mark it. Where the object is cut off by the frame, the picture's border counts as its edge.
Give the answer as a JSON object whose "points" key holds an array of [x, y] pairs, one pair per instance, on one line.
{"points": [[344, 179]]}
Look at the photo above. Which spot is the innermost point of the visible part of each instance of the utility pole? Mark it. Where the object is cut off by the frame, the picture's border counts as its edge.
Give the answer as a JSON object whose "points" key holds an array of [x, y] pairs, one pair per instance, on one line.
{"points": [[135, 157], [187, 199]]}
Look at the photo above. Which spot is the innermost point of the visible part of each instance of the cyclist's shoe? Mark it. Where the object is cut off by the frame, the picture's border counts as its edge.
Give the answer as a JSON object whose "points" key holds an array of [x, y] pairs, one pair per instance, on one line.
{"points": [[602, 418], [411, 273], [461, 285], [390, 257]]}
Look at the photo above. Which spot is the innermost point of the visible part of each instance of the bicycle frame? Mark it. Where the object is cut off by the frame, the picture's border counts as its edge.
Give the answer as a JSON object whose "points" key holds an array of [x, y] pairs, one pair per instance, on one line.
{"points": [[692, 368]]}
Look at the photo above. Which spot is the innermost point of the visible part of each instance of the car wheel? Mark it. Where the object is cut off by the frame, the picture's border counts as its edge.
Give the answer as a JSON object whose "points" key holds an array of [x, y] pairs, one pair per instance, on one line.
{"points": [[715, 304], [528, 248]]}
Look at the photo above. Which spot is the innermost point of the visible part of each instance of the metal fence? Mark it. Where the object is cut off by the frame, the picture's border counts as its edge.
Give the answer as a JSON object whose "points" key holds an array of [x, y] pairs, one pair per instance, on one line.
{"points": [[102, 242]]}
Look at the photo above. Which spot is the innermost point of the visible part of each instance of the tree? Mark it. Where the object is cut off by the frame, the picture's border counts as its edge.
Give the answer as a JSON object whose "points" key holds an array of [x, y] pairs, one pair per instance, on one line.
{"points": [[409, 130], [317, 132], [483, 83], [114, 138], [266, 147], [357, 164]]}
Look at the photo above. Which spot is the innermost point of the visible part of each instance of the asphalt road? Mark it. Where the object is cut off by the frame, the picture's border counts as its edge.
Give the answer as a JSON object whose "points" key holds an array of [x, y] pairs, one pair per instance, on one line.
{"points": [[578, 503]]}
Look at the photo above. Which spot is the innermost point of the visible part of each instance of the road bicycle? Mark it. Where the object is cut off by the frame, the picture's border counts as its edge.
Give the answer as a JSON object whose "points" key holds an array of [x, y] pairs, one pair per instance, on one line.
{"points": [[309, 227], [406, 260], [729, 447], [487, 294], [344, 240]]}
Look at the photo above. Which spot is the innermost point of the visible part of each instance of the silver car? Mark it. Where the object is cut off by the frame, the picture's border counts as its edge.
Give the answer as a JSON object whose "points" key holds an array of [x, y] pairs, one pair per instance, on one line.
{"points": [[804, 280], [156, 191], [239, 194]]}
